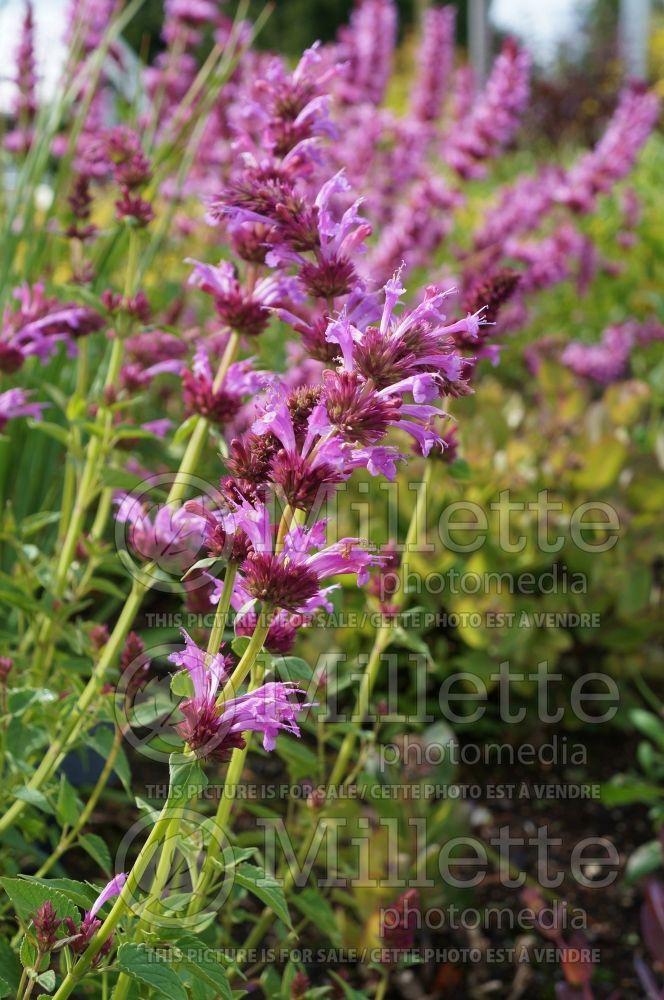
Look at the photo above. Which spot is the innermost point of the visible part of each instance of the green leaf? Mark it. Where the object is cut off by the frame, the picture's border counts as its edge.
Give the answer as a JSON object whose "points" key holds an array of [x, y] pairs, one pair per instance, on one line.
{"points": [[264, 886], [22, 698], [47, 980], [56, 431], [145, 965], [35, 522], [186, 429], [317, 909], [10, 967], [182, 685], [645, 859], [459, 469], [623, 791], [602, 463], [35, 798], [186, 777], [232, 856], [104, 586], [80, 893], [69, 806], [239, 644], [101, 740], [302, 763], [27, 896], [289, 975], [28, 953], [130, 432], [291, 668], [119, 479], [348, 991], [203, 563], [648, 724], [97, 850], [271, 983], [5, 988], [209, 972]]}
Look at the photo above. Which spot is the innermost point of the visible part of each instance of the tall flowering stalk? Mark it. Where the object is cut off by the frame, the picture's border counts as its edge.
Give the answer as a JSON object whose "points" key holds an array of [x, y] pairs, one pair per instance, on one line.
{"points": [[20, 138]]}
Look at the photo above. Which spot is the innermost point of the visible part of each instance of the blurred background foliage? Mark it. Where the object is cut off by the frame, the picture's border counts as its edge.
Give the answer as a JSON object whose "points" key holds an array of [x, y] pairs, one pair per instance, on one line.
{"points": [[571, 97]]}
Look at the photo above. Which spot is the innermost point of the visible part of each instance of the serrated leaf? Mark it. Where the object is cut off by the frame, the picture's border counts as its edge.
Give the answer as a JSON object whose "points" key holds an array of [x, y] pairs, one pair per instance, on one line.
{"points": [[264, 886], [98, 851], [210, 973], [80, 893], [145, 965], [27, 896]]}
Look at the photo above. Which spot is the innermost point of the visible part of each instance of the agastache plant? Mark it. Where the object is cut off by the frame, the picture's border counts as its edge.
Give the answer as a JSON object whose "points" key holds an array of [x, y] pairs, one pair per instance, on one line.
{"points": [[326, 231]]}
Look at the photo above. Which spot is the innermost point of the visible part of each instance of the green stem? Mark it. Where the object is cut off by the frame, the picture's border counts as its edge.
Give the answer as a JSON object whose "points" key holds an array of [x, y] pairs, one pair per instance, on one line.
{"points": [[221, 613], [382, 640], [96, 451], [233, 775], [78, 717], [141, 586], [198, 438], [121, 905], [66, 842], [224, 810], [164, 864], [385, 631], [247, 659]]}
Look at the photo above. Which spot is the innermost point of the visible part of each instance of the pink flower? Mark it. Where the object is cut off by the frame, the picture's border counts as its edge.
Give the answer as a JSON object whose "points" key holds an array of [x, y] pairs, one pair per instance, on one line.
{"points": [[14, 403], [213, 730], [435, 58], [495, 115], [247, 312], [172, 538]]}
